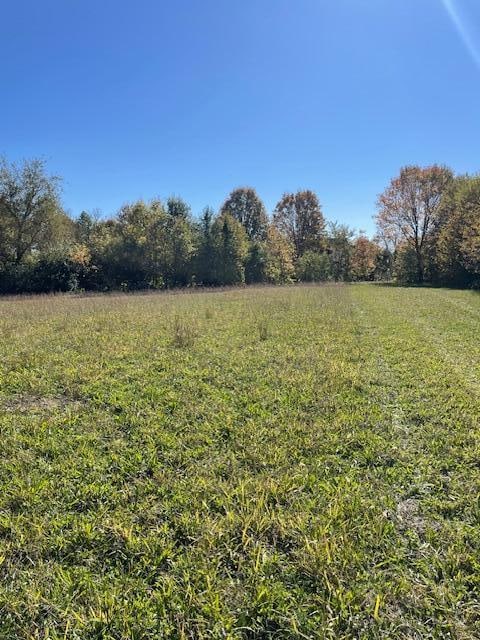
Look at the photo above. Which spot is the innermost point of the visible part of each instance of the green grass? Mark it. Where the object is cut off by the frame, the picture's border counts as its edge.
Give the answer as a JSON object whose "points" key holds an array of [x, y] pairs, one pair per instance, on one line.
{"points": [[260, 463]]}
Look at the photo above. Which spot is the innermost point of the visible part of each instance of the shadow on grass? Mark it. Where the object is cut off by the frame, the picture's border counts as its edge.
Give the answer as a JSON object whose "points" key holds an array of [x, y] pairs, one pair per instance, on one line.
{"points": [[427, 285]]}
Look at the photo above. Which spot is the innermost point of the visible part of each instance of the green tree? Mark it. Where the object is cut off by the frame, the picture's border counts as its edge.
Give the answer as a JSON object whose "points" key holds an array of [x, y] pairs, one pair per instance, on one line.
{"points": [[204, 260], [405, 267], [313, 267], [340, 248], [31, 216], [133, 250], [178, 208], [298, 216], [245, 206], [256, 262], [85, 226], [230, 242], [174, 245]]}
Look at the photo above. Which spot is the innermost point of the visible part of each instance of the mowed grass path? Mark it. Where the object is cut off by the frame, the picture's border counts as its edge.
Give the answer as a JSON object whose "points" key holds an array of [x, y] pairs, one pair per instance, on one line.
{"points": [[260, 463]]}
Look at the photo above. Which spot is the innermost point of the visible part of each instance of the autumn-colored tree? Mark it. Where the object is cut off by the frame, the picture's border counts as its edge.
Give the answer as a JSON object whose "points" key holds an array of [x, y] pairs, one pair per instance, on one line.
{"points": [[245, 206], [280, 253], [298, 216], [457, 242], [409, 208], [428, 228], [364, 258]]}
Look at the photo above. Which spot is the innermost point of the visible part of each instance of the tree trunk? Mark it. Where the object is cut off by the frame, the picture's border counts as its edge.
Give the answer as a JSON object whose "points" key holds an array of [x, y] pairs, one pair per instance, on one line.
{"points": [[420, 267]]}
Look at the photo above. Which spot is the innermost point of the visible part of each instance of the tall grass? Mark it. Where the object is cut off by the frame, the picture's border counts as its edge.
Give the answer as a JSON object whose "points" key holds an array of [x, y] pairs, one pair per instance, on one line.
{"points": [[184, 332]]}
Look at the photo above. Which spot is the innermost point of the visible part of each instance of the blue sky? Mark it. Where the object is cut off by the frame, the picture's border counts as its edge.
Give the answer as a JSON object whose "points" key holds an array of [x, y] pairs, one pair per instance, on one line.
{"points": [[194, 97]]}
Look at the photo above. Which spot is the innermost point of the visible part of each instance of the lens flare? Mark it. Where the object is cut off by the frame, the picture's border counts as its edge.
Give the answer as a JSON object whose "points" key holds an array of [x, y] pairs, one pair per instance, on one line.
{"points": [[463, 31]]}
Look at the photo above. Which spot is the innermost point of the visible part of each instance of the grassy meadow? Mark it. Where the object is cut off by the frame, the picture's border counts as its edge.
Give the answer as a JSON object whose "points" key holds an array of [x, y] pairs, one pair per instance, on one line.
{"points": [[297, 462]]}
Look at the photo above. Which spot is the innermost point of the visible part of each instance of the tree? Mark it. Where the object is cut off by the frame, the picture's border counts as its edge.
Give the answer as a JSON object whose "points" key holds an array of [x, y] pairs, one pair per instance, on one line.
{"points": [[279, 267], [133, 252], [230, 250], [409, 208], [157, 243], [204, 261], [340, 247], [298, 216], [313, 267], [405, 267], [175, 245], [384, 264], [29, 209], [457, 241], [245, 206], [256, 262], [364, 258], [86, 225], [178, 208], [388, 245]]}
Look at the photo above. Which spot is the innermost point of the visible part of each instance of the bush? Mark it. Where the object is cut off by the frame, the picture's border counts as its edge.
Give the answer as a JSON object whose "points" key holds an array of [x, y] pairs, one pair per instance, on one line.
{"points": [[405, 266], [313, 267], [15, 278]]}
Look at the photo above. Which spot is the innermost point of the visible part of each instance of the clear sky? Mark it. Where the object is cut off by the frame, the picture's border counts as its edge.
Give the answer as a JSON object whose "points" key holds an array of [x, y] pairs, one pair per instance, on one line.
{"points": [[144, 98]]}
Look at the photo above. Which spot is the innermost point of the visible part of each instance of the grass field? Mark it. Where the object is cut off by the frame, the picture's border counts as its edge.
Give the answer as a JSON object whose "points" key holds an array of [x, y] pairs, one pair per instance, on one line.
{"points": [[258, 463]]}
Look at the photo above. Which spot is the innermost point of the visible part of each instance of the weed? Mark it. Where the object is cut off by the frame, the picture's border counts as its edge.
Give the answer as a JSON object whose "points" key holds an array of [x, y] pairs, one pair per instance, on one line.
{"points": [[183, 332], [263, 329]]}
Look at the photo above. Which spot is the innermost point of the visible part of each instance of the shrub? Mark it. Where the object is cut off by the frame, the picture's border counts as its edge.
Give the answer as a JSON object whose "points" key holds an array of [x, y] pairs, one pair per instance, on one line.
{"points": [[313, 267]]}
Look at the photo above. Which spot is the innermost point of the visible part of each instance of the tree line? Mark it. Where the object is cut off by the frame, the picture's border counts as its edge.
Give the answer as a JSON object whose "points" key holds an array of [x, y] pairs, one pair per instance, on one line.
{"points": [[159, 244], [427, 230]]}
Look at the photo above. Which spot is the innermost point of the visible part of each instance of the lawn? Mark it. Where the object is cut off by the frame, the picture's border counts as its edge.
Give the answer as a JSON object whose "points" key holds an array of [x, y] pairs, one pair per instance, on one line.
{"points": [[297, 462]]}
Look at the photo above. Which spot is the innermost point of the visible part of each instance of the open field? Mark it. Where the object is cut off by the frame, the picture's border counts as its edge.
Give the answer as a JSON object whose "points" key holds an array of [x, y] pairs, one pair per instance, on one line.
{"points": [[259, 463]]}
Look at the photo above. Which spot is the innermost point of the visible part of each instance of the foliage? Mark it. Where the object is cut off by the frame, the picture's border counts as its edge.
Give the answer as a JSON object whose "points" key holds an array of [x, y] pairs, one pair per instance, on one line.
{"points": [[204, 266], [428, 230], [245, 206], [230, 250], [30, 211], [408, 210], [340, 246], [299, 218], [364, 259], [405, 267], [178, 208], [256, 262], [458, 239], [313, 267], [280, 258]]}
